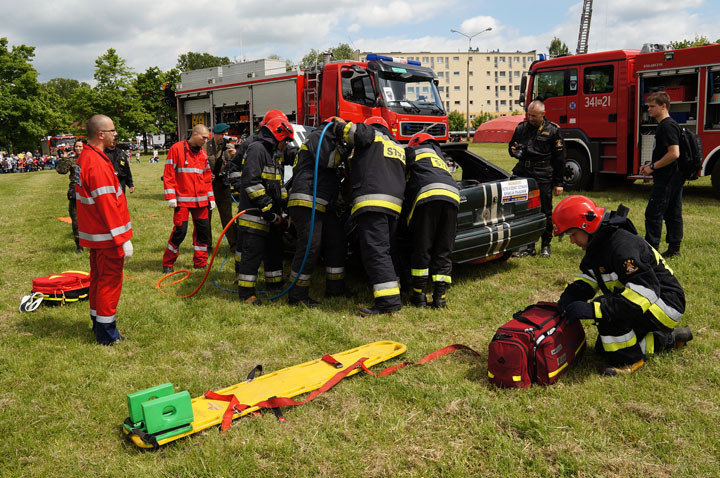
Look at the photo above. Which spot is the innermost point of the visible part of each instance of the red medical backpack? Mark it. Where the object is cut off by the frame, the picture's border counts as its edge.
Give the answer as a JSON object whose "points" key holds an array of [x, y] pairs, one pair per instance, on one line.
{"points": [[537, 345], [62, 288]]}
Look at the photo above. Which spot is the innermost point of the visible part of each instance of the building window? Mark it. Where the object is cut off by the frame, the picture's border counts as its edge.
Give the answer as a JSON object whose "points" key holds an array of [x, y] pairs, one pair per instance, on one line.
{"points": [[488, 73], [502, 59], [502, 88], [488, 101], [469, 57], [456, 58], [471, 87], [471, 73], [517, 58], [471, 102], [425, 59], [456, 88], [516, 74], [502, 73], [503, 102], [457, 102], [488, 87], [447, 59], [440, 89], [517, 88], [487, 58], [456, 73]]}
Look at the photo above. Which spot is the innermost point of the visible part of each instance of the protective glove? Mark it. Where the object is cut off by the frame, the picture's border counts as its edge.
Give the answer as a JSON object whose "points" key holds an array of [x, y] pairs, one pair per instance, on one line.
{"points": [[272, 218], [172, 203], [212, 205], [338, 127], [579, 310], [127, 249]]}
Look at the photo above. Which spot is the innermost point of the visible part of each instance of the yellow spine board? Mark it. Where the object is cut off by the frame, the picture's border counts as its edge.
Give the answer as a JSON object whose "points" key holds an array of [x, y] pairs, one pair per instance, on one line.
{"points": [[288, 382]]}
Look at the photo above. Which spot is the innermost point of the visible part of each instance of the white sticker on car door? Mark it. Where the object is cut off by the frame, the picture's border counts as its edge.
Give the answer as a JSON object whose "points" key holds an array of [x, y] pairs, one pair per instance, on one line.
{"points": [[514, 191]]}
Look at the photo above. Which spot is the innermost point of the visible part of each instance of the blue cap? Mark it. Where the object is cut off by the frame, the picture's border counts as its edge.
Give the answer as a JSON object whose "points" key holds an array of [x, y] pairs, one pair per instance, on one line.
{"points": [[221, 128]]}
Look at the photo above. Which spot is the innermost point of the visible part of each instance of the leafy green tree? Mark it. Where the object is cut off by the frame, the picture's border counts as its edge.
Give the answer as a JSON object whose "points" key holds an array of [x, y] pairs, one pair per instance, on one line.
{"points": [[481, 118], [699, 40], [25, 108], [150, 87], [341, 52], [557, 48], [456, 121], [193, 60]]}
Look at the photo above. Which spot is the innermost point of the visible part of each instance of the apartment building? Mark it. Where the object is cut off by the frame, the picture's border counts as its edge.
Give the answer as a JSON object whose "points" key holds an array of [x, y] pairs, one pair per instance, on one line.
{"points": [[494, 78]]}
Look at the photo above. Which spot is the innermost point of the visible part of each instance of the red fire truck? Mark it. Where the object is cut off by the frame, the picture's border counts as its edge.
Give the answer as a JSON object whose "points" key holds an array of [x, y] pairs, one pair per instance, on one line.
{"points": [[51, 144], [403, 92], [598, 99]]}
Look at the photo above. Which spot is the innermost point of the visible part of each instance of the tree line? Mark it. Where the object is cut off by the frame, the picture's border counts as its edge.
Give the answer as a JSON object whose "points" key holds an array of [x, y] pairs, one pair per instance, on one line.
{"points": [[31, 110]]}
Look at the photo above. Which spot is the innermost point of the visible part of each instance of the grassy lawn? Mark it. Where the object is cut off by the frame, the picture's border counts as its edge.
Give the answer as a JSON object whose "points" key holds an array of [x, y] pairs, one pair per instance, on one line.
{"points": [[62, 398]]}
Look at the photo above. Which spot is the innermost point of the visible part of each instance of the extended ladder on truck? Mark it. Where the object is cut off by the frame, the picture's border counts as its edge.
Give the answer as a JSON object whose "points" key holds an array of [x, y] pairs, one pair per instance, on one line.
{"points": [[311, 96], [584, 34]]}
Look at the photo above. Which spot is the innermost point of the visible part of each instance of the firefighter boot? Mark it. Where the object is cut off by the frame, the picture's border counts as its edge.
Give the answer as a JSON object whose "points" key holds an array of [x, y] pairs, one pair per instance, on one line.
{"points": [[439, 293], [672, 250], [418, 297], [337, 288], [300, 295], [680, 337], [610, 371], [375, 310], [545, 251]]}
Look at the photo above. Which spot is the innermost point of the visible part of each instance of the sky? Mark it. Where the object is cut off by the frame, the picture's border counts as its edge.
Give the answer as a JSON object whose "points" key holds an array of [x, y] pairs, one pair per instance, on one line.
{"points": [[70, 35]]}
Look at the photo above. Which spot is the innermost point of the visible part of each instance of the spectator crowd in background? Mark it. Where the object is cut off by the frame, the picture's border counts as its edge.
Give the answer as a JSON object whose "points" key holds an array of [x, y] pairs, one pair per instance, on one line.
{"points": [[25, 162]]}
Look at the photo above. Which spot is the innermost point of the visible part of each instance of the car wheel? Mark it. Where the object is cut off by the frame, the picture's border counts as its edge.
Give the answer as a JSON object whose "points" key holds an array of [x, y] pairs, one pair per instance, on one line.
{"points": [[577, 171]]}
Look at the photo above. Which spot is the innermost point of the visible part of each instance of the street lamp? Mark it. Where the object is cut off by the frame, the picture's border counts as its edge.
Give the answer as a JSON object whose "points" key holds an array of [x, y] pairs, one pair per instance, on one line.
{"points": [[467, 75]]}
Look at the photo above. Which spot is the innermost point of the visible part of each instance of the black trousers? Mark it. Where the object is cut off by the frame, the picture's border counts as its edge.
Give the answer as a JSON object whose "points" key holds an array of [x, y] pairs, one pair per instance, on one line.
{"points": [[72, 210], [258, 248], [376, 232], [543, 176], [626, 340], [665, 204], [328, 239], [432, 230]]}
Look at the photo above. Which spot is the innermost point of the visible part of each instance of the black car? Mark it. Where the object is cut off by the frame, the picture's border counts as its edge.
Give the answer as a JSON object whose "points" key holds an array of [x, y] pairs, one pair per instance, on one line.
{"points": [[498, 213]]}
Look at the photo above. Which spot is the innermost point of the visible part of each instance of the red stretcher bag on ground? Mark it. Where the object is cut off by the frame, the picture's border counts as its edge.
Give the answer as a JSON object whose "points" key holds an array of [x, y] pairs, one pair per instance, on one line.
{"points": [[66, 287], [537, 345]]}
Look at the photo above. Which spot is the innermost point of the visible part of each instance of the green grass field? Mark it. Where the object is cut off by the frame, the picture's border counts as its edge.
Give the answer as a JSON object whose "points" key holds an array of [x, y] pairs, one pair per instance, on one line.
{"points": [[63, 398]]}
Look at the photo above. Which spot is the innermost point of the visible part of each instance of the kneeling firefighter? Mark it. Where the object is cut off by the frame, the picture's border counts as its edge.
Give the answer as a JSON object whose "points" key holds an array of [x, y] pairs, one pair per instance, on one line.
{"points": [[377, 177], [328, 236], [262, 195], [431, 204], [642, 301]]}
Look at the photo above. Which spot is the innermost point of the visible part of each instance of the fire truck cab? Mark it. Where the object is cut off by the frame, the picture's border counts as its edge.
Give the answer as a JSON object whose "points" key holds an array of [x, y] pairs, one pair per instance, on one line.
{"points": [[599, 101]]}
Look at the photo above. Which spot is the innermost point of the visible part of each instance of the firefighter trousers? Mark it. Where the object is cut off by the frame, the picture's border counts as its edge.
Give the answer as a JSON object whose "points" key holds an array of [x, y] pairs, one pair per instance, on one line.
{"points": [[432, 231], [328, 239], [376, 231], [626, 340], [256, 248], [106, 278], [201, 235]]}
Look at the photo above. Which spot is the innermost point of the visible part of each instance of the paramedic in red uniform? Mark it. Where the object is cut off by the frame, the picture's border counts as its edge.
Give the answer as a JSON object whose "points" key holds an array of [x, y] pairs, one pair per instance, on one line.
{"points": [[188, 190], [104, 226]]}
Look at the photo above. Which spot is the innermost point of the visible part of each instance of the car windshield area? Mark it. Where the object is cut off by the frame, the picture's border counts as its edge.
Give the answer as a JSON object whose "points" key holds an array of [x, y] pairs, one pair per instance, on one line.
{"points": [[406, 93]]}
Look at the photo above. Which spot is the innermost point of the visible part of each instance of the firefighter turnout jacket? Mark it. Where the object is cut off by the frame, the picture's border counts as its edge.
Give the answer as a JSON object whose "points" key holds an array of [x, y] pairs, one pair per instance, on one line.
{"points": [[187, 176], [377, 169], [122, 166], [103, 217], [428, 178], [260, 183], [539, 147], [328, 181], [634, 278]]}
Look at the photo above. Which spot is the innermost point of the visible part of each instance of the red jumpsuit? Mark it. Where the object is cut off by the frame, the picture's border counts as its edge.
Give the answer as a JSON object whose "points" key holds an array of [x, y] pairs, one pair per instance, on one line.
{"points": [[104, 225], [187, 179]]}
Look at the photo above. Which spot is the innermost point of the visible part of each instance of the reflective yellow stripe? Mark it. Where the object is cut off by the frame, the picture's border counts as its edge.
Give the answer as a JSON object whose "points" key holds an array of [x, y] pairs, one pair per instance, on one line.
{"points": [[420, 272], [266, 208], [243, 283], [588, 281], [442, 278], [490, 374], [615, 346], [386, 292], [662, 316], [377, 203], [579, 347], [661, 260], [552, 374], [614, 285], [271, 177], [433, 192], [637, 299], [304, 203], [649, 343], [516, 378], [257, 193], [253, 225], [598, 313]]}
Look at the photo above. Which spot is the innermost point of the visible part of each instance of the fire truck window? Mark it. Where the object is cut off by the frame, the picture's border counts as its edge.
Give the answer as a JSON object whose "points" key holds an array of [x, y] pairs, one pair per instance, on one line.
{"points": [[598, 79], [358, 89], [549, 84]]}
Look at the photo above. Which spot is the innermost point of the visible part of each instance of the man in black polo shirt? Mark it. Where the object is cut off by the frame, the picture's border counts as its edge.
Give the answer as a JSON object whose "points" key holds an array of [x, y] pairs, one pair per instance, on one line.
{"points": [[666, 195]]}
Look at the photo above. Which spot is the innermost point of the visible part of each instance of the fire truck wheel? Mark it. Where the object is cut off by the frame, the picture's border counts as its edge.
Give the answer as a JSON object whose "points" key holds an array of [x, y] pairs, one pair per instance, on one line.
{"points": [[577, 171], [716, 179]]}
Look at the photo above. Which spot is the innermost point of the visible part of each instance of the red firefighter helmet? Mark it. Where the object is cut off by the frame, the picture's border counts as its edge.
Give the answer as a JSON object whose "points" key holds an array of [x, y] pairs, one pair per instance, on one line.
{"points": [[376, 120], [280, 128], [419, 138], [272, 114], [577, 212]]}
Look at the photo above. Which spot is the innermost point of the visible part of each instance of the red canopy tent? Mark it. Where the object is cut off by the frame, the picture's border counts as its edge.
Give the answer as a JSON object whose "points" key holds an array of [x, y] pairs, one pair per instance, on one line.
{"points": [[498, 130]]}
